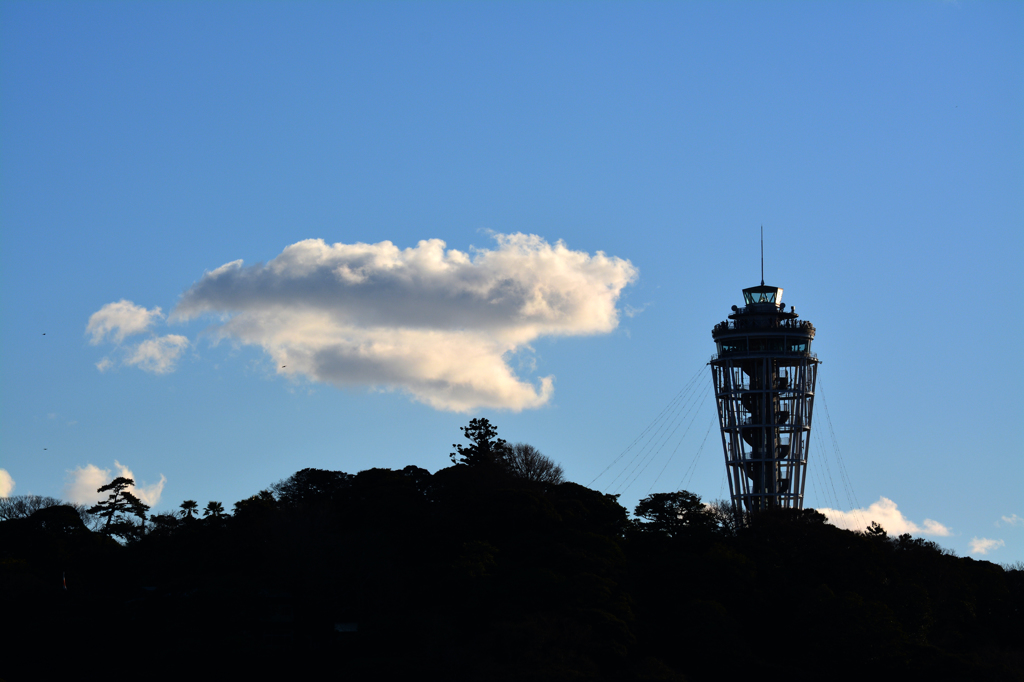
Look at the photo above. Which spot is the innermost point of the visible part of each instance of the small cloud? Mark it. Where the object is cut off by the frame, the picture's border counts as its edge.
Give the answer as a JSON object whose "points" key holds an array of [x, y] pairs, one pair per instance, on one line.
{"points": [[158, 355], [6, 483], [633, 312], [82, 482], [72, 422], [985, 545], [52, 415], [116, 321], [888, 516], [932, 527], [1013, 520], [119, 320]]}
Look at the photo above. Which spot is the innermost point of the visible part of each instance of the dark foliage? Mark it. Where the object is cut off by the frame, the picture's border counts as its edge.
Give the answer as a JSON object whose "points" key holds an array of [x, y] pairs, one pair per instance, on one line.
{"points": [[23, 506], [485, 448], [118, 510], [526, 462], [676, 515], [189, 509], [471, 573]]}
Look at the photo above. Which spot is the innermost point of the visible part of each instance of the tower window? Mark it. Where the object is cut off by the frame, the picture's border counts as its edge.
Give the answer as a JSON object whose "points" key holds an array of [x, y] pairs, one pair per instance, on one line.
{"points": [[732, 346], [762, 294], [798, 345], [760, 297], [766, 343]]}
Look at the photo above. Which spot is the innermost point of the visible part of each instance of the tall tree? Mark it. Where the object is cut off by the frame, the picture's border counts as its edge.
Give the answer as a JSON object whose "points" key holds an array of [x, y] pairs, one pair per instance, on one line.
{"points": [[527, 462], [214, 509], [119, 507], [188, 508], [675, 513], [485, 447]]}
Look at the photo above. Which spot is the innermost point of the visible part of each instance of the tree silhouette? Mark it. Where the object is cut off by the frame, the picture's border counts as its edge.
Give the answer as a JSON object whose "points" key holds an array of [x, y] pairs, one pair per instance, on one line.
{"points": [[257, 505], [23, 506], [875, 530], [527, 462], [118, 507], [189, 507], [727, 521], [164, 523], [310, 486], [214, 509], [485, 448], [675, 513]]}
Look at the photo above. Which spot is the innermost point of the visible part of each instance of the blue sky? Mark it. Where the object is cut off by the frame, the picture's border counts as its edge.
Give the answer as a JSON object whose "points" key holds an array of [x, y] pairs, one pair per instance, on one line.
{"points": [[145, 145]]}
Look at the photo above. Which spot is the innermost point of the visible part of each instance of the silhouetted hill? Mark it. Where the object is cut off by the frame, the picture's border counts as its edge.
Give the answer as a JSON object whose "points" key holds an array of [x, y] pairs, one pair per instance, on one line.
{"points": [[470, 573]]}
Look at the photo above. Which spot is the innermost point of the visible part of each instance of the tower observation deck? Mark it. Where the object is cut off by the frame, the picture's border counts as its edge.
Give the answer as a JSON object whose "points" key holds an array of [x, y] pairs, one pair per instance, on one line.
{"points": [[764, 374]]}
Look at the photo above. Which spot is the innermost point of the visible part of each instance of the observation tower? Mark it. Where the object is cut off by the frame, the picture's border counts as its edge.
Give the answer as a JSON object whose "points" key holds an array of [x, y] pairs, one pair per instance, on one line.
{"points": [[764, 375]]}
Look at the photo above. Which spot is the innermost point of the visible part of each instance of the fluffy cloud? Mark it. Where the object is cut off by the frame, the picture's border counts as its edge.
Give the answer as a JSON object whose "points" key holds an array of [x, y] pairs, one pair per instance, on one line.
{"points": [[888, 516], [157, 355], [82, 482], [6, 483], [119, 320], [115, 321], [985, 545], [439, 324]]}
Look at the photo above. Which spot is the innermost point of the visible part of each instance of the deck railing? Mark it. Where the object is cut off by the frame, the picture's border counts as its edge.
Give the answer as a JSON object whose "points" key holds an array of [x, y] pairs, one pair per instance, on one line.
{"points": [[773, 323]]}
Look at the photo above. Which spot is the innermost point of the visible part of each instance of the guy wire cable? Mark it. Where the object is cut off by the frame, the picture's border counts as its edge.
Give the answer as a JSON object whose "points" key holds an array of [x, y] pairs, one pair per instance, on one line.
{"points": [[839, 455], [851, 495], [688, 474], [828, 471], [657, 438], [678, 412], [656, 419], [646, 461], [676, 449]]}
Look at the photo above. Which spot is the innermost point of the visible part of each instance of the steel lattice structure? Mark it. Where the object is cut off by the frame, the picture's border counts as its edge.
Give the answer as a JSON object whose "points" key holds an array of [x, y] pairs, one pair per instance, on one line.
{"points": [[764, 375]]}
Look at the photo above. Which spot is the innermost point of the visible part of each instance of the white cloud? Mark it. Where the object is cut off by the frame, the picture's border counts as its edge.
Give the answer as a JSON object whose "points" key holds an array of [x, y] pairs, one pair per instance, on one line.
{"points": [[932, 527], [121, 319], [115, 321], [985, 545], [82, 482], [632, 311], [1012, 520], [158, 355], [888, 516], [150, 494], [439, 324], [6, 483]]}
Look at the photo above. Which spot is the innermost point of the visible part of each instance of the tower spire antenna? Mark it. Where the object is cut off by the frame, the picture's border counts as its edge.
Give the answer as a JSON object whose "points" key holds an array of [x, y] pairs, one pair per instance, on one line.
{"points": [[762, 255]]}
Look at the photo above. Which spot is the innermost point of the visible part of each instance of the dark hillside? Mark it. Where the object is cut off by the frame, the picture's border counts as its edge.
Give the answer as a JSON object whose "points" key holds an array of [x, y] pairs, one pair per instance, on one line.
{"points": [[471, 573]]}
